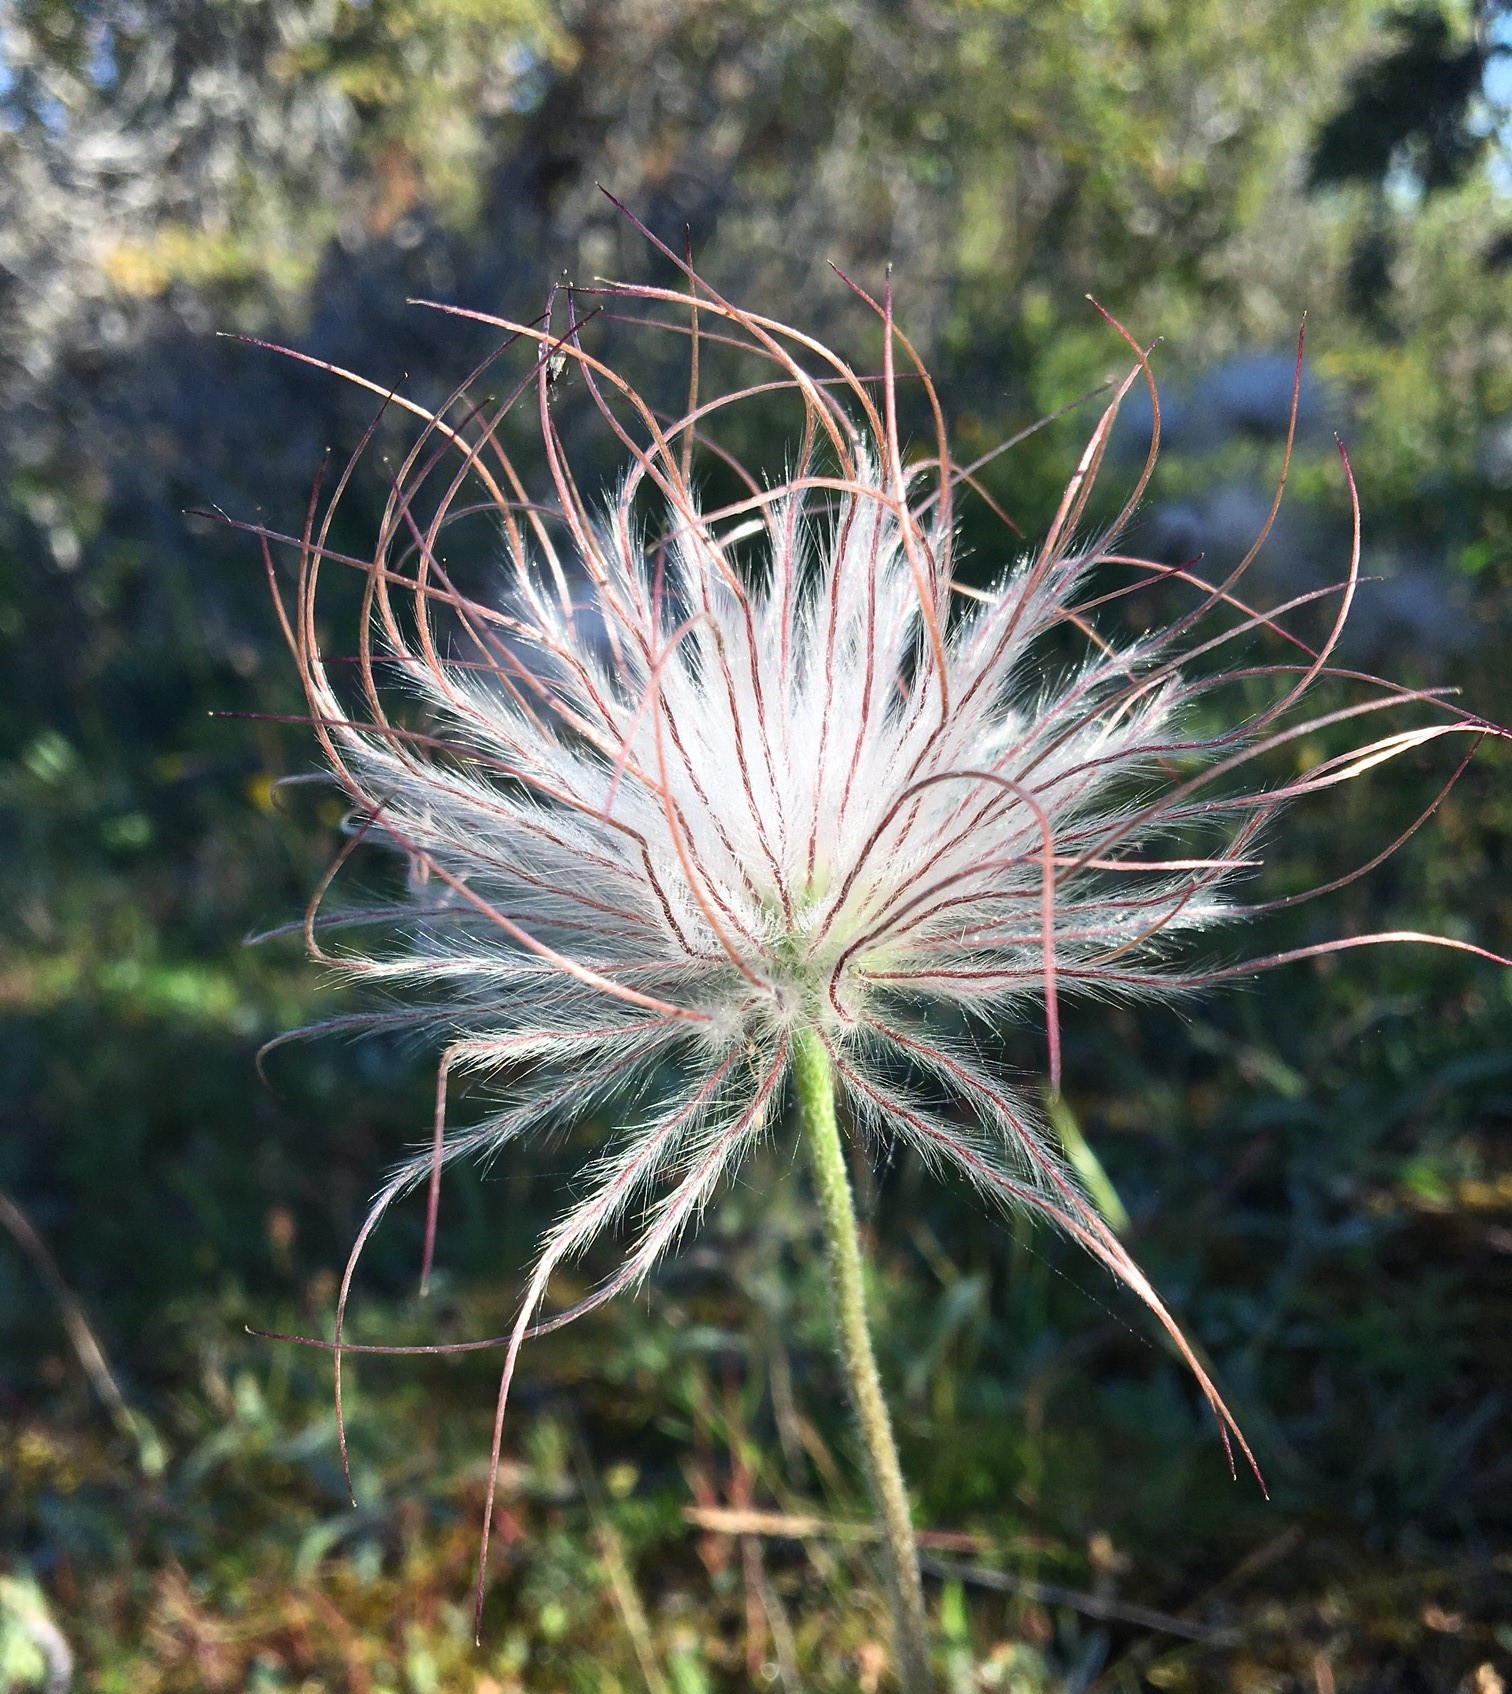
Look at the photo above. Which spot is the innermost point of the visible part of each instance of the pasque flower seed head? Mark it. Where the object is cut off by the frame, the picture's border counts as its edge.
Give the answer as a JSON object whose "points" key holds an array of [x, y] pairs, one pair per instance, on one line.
{"points": [[698, 782]]}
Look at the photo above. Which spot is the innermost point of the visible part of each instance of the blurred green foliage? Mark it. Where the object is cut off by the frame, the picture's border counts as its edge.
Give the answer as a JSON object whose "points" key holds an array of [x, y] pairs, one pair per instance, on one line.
{"points": [[1317, 1171]]}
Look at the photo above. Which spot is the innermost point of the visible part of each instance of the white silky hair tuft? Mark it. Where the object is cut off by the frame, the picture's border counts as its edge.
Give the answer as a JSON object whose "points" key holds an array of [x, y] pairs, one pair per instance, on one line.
{"points": [[700, 779]]}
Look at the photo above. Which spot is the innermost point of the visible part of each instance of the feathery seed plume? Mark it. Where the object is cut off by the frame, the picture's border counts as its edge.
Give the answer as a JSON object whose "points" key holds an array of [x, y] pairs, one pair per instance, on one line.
{"points": [[699, 784]]}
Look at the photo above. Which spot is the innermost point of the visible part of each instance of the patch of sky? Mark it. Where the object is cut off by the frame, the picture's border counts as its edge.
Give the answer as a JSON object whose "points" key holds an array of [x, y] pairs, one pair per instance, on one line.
{"points": [[1496, 86], [528, 77], [101, 68], [10, 118]]}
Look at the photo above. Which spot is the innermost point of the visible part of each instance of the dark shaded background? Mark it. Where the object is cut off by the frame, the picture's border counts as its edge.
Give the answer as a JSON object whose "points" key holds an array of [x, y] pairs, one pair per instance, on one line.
{"points": [[1318, 1170]]}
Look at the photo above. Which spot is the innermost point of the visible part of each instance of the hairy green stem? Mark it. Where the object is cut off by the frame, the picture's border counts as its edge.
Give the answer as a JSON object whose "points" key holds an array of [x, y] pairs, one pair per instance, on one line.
{"points": [[816, 1102]]}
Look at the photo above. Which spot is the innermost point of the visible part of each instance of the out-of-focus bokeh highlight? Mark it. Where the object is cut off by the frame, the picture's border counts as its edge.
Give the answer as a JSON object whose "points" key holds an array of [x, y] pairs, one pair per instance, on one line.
{"points": [[1317, 1170]]}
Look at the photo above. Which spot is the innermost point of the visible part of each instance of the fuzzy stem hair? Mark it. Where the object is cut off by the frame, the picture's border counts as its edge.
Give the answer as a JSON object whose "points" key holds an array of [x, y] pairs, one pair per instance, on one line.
{"points": [[814, 1081]]}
